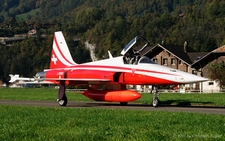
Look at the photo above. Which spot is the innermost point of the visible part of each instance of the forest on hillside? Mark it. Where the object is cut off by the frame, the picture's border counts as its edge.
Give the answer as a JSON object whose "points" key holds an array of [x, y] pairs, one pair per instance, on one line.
{"points": [[109, 24]]}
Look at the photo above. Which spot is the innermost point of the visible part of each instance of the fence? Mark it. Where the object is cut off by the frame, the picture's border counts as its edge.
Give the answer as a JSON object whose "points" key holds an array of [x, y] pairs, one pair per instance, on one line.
{"points": [[165, 91]]}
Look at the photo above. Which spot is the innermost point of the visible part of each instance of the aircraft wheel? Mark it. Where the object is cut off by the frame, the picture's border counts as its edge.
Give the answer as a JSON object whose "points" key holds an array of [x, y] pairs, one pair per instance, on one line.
{"points": [[123, 103], [155, 102], [63, 101]]}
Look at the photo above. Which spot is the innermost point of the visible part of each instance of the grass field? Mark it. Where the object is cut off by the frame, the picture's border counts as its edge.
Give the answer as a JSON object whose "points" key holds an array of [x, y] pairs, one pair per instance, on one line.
{"points": [[41, 123], [215, 99], [24, 16], [37, 123]]}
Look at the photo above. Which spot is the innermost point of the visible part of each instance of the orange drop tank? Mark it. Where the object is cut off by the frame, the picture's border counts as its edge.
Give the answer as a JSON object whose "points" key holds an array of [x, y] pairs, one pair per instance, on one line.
{"points": [[112, 95]]}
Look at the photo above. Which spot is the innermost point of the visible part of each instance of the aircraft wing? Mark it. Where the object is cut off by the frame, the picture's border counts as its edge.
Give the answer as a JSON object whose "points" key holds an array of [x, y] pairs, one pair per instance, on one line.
{"points": [[78, 79], [78, 75]]}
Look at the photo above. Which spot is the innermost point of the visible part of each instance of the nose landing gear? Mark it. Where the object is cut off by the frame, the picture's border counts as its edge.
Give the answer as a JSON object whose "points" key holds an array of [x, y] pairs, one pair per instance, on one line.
{"points": [[155, 101]]}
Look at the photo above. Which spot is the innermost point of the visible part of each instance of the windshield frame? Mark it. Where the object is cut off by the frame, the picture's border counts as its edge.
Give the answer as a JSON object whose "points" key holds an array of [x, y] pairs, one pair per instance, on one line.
{"points": [[145, 60], [129, 45]]}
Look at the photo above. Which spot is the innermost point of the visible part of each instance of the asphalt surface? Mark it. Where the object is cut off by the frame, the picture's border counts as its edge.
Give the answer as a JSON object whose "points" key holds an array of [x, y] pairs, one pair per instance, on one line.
{"points": [[131, 106]]}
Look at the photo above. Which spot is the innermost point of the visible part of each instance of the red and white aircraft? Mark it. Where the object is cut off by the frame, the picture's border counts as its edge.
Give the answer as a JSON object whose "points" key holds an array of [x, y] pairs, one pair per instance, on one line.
{"points": [[107, 79]]}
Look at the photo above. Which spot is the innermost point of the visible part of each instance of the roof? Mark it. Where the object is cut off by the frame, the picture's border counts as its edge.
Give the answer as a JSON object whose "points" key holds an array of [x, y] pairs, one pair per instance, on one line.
{"points": [[220, 49], [195, 56], [215, 54], [189, 57]]}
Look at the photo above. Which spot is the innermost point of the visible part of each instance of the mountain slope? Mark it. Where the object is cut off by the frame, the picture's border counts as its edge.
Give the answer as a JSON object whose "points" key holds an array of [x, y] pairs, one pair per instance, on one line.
{"points": [[110, 24]]}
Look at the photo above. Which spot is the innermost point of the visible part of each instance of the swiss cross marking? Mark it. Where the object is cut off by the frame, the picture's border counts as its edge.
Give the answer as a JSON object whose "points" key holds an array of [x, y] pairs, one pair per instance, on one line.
{"points": [[54, 59]]}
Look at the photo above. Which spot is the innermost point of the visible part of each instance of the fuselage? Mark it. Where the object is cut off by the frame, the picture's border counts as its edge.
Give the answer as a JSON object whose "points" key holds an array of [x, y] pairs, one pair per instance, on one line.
{"points": [[148, 73], [142, 73]]}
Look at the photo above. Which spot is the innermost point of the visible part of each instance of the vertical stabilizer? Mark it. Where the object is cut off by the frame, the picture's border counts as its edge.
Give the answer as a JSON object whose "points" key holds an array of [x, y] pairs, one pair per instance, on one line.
{"points": [[60, 57]]}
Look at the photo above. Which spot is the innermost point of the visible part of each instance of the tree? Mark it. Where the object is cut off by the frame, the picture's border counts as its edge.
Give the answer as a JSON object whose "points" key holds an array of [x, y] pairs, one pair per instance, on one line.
{"points": [[216, 71], [209, 45]]}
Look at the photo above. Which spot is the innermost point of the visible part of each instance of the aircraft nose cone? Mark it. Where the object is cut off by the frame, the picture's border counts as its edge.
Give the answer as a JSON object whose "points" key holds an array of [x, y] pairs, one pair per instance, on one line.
{"points": [[203, 79], [194, 78]]}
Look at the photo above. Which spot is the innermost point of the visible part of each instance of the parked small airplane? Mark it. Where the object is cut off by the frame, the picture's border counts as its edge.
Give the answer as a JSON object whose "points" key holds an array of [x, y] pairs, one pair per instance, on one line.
{"points": [[17, 81], [14, 78], [107, 79]]}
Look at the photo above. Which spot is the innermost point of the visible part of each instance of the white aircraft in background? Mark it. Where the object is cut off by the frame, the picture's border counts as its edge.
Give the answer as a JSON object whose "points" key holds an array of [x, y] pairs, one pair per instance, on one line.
{"points": [[17, 81], [16, 77]]}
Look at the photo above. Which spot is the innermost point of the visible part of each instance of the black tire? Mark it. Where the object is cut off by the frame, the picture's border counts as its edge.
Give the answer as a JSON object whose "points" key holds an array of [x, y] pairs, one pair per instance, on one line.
{"points": [[63, 101], [155, 102], [123, 103]]}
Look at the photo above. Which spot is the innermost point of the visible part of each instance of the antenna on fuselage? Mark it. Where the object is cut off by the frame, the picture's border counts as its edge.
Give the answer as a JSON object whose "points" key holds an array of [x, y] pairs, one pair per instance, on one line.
{"points": [[110, 55]]}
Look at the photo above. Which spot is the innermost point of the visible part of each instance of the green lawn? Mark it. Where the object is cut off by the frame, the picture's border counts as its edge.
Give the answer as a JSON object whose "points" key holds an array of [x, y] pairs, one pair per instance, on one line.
{"points": [[194, 99], [50, 94], [92, 124], [24, 16]]}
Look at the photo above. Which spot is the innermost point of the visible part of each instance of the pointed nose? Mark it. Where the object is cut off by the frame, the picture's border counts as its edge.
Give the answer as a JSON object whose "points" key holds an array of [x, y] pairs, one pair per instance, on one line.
{"points": [[198, 79], [191, 78]]}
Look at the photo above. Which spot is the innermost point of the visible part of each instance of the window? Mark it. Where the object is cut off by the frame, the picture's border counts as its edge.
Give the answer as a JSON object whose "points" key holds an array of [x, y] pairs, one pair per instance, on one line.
{"points": [[173, 61], [155, 60], [194, 72], [211, 83], [180, 62], [165, 61]]}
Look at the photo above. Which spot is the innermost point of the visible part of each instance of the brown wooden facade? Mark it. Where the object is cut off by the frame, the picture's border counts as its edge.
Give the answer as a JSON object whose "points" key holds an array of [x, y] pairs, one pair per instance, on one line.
{"points": [[184, 58]]}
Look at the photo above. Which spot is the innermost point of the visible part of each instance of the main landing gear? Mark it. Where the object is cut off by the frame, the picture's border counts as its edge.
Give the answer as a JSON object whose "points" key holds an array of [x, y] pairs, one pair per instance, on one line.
{"points": [[155, 101], [62, 99]]}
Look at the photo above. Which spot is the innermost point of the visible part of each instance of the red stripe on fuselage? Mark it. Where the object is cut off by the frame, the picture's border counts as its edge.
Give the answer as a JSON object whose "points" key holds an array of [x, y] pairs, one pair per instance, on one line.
{"points": [[116, 67], [137, 79], [78, 74]]}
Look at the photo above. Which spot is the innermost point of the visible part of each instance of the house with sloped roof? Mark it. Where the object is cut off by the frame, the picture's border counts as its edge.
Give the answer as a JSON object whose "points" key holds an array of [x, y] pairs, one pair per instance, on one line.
{"points": [[188, 60], [178, 57], [216, 55]]}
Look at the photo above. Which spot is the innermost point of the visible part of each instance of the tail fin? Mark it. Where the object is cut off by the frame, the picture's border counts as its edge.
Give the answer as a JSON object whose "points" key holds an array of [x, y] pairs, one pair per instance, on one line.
{"points": [[60, 57]]}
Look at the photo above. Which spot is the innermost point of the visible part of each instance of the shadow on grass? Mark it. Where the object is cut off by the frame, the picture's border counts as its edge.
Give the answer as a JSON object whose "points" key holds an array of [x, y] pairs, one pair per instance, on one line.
{"points": [[185, 103], [168, 103]]}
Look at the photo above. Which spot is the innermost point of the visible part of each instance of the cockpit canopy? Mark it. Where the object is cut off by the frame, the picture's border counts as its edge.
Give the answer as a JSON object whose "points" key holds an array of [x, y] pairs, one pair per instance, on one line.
{"points": [[131, 52], [136, 45]]}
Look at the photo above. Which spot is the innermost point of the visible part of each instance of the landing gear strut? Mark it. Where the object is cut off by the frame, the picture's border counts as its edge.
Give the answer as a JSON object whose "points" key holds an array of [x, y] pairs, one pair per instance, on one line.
{"points": [[155, 101], [62, 99]]}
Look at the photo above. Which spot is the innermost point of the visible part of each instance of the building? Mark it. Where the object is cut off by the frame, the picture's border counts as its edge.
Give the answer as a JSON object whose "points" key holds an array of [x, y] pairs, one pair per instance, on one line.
{"points": [[216, 55], [186, 59]]}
